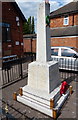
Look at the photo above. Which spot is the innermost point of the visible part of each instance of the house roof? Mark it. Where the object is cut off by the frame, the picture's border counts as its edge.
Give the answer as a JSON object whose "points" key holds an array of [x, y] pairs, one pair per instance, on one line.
{"points": [[70, 8], [19, 11], [64, 31]]}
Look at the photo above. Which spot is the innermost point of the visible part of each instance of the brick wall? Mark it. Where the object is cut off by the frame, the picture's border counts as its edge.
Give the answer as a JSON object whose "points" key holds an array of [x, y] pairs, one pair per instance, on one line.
{"points": [[68, 41], [9, 14], [60, 41], [73, 42], [29, 45], [58, 22], [64, 41], [76, 19]]}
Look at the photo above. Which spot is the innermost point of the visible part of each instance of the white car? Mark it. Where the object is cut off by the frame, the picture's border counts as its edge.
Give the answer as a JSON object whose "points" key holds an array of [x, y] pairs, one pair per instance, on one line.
{"points": [[67, 57]]}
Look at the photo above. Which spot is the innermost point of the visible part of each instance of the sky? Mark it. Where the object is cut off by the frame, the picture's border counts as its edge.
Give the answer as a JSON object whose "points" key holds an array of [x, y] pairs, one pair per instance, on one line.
{"points": [[29, 7]]}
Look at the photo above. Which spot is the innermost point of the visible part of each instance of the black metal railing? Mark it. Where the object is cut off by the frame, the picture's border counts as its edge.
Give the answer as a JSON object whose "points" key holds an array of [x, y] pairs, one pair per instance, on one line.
{"points": [[16, 69], [67, 64], [13, 70]]}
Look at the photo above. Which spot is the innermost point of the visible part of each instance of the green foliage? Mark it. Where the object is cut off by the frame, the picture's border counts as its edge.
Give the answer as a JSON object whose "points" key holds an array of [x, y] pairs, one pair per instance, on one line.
{"points": [[33, 26], [28, 27], [47, 20]]}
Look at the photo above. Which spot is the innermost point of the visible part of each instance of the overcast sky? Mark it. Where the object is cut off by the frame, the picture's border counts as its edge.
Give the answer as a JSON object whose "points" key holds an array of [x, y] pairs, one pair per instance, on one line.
{"points": [[29, 7]]}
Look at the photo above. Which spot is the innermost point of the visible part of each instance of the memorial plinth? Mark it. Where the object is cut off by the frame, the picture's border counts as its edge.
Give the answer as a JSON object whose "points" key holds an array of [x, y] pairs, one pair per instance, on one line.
{"points": [[43, 74]]}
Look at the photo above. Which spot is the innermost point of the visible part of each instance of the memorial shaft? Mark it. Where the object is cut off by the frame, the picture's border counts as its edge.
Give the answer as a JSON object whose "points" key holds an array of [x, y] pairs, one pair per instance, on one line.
{"points": [[43, 34]]}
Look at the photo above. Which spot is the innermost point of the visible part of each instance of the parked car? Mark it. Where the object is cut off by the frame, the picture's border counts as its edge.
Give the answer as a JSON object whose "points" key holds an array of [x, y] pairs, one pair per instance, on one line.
{"points": [[67, 57]]}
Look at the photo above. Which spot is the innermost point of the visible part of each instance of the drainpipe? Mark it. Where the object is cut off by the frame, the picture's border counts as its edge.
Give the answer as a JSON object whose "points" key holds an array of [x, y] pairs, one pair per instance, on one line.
{"points": [[73, 20]]}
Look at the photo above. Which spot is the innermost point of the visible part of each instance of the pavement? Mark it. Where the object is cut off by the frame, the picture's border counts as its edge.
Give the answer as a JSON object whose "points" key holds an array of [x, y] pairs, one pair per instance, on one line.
{"points": [[19, 110]]}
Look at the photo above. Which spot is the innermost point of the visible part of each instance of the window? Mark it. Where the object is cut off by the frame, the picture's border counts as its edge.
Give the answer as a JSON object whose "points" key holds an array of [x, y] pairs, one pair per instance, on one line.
{"points": [[54, 52], [66, 20], [67, 53], [18, 24], [17, 18], [6, 35]]}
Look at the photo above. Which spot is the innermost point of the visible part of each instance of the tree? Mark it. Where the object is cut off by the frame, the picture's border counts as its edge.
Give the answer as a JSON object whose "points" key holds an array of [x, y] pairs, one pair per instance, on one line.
{"points": [[28, 27], [25, 28], [33, 31]]}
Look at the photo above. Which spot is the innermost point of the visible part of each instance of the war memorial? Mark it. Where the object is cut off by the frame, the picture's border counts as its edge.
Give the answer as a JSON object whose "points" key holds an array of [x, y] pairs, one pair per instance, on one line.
{"points": [[43, 89]]}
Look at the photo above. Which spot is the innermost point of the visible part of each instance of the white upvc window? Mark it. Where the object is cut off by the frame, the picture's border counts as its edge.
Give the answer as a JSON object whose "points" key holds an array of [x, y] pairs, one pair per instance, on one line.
{"points": [[66, 20], [17, 18]]}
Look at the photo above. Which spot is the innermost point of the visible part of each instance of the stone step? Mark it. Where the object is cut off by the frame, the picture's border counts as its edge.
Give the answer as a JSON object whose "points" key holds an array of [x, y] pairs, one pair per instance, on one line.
{"points": [[61, 101], [37, 98], [35, 105], [46, 103], [42, 107], [41, 96], [57, 97], [36, 101]]}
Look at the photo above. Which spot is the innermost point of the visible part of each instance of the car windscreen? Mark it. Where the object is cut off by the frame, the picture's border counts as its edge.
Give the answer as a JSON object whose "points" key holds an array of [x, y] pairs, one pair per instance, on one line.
{"points": [[67, 53]]}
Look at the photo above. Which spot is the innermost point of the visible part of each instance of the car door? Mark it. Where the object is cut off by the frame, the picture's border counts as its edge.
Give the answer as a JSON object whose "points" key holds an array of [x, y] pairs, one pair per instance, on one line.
{"points": [[67, 60]]}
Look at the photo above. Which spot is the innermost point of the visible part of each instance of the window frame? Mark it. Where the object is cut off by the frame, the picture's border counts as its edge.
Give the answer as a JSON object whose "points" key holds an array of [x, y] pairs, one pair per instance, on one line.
{"points": [[7, 28], [66, 20]]}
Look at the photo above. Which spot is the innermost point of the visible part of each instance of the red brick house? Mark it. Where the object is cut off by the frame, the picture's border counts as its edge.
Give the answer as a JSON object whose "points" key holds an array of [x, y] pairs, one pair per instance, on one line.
{"points": [[64, 25], [12, 29]]}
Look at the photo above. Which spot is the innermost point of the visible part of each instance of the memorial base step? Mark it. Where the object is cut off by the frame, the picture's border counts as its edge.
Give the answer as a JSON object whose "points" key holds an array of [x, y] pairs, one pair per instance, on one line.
{"points": [[40, 100]]}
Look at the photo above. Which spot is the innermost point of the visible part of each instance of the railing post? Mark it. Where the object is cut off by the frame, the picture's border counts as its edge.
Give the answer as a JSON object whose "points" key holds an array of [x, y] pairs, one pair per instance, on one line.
{"points": [[20, 91], [54, 113], [70, 89], [51, 103], [21, 70], [8, 75], [14, 96]]}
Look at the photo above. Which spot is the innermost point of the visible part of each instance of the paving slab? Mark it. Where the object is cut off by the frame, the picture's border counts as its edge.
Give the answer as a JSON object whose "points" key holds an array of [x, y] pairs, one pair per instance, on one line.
{"points": [[68, 110]]}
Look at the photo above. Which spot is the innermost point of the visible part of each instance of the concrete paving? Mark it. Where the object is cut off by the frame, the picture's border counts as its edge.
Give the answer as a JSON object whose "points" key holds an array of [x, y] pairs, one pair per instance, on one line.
{"points": [[19, 110]]}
